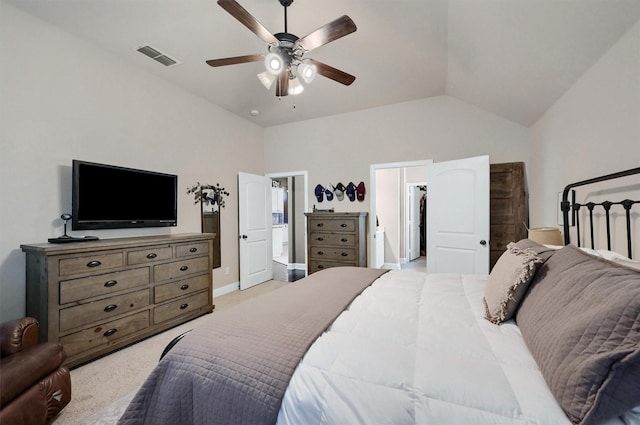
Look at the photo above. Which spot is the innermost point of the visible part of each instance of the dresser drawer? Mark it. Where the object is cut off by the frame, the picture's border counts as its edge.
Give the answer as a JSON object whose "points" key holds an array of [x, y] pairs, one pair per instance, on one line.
{"points": [[150, 254], [73, 317], [104, 284], [186, 250], [180, 269], [332, 225], [182, 287], [317, 265], [180, 307], [90, 263], [104, 333], [323, 239], [333, 253]]}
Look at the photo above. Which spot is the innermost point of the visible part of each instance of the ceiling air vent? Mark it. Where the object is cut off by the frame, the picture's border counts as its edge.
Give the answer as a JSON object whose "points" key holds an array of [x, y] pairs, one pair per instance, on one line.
{"points": [[157, 55]]}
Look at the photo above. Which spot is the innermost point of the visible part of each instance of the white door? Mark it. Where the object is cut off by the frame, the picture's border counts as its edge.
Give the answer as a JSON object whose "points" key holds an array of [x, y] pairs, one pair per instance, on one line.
{"points": [[254, 216], [458, 216], [413, 209]]}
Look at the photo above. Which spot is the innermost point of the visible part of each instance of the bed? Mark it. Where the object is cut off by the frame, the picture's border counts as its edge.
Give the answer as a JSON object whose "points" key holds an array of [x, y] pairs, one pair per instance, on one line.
{"points": [[551, 336]]}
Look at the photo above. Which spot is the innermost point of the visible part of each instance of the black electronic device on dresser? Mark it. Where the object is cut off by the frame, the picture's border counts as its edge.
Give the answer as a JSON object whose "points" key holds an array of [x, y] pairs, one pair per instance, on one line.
{"points": [[65, 238], [112, 197]]}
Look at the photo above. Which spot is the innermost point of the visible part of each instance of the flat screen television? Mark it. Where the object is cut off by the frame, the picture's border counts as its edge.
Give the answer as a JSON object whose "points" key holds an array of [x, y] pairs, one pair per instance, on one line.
{"points": [[110, 197]]}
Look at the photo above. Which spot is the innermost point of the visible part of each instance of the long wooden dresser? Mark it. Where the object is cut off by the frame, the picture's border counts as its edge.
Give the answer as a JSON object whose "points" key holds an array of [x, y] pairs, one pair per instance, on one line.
{"points": [[336, 239], [95, 297]]}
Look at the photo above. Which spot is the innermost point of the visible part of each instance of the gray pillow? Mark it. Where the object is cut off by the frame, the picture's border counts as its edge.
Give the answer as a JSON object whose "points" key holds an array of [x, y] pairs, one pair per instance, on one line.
{"points": [[542, 251], [581, 321], [508, 282]]}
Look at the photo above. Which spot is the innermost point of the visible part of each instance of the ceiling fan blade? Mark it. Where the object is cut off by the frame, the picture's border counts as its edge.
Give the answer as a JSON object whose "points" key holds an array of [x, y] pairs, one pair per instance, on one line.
{"points": [[234, 60], [246, 19], [333, 73], [327, 33], [282, 84]]}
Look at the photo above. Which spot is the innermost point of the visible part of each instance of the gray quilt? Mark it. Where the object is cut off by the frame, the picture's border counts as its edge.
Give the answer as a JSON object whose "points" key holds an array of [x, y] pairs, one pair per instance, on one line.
{"points": [[235, 368]]}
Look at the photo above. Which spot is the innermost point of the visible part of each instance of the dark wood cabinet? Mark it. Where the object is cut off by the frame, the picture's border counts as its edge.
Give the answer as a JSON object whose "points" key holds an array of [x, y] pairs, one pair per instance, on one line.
{"points": [[211, 224], [509, 209]]}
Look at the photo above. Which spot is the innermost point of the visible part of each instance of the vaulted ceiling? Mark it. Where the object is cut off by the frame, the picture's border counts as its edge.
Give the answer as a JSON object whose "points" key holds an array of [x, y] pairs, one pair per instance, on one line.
{"points": [[514, 58]]}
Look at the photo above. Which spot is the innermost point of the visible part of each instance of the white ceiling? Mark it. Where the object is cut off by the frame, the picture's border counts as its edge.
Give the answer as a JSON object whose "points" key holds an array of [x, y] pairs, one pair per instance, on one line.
{"points": [[511, 57]]}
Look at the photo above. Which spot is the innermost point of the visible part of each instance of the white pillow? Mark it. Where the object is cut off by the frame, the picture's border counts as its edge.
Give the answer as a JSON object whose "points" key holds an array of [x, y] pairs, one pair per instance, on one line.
{"points": [[610, 255]]}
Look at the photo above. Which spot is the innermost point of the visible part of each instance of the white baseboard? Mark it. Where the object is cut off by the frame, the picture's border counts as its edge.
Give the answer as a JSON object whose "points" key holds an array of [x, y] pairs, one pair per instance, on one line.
{"points": [[296, 266], [391, 266], [227, 289]]}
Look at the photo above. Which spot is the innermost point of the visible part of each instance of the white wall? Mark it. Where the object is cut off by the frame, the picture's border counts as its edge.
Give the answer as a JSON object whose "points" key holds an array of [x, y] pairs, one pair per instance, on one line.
{"points": [[388, 207], [63, 99], [592, 130], [341, 148]]}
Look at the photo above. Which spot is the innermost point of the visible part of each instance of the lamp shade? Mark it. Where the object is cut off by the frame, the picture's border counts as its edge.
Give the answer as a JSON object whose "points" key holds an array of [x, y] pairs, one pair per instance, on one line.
{"points": [[307, 72], [274, 63], [295, 87], [267, 79], [546, 236]]}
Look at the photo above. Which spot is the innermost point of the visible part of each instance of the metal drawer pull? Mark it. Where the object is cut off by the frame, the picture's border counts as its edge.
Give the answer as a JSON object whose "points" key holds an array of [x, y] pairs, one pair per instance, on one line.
{"points": [[344, 240], [320, 252], [343, 225], [110, 307], [183, 306], [184, 268], [193, 250], [320, 224], [184, 287], [110, 283], [110, 332], [94, 263], [320, 239], [344, 254], [152, 255]]}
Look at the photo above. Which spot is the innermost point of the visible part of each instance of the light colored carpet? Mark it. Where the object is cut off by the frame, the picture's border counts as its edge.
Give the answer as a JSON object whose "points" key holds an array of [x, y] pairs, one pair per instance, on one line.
{"points": [[103, 388]]}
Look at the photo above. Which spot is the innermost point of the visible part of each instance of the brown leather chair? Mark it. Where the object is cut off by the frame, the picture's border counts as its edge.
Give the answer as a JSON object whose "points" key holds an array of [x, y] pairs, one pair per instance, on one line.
{"points": [[34, 387]]}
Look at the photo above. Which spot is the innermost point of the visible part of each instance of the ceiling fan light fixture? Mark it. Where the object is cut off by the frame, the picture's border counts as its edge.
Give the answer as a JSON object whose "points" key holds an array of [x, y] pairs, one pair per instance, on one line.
{"points": [[274, 63], [295, 87], [286, 51], [267, 79], [307, 72]]}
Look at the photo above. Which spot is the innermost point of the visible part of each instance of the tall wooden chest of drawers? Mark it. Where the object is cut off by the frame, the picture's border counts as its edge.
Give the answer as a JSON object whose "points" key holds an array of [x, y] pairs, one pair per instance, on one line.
{"points": [[336, 240], [95, 297], [509, 207]]}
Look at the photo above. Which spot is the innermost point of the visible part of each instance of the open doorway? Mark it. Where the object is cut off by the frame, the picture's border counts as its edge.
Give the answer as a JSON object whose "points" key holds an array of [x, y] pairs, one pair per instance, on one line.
{"points": [[457, 214], [415, 226], [400, 226], [289, 202]]}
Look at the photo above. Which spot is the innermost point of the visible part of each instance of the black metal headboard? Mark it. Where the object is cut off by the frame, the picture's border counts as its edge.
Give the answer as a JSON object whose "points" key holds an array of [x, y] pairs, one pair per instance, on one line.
{"points": [[574, 207]]}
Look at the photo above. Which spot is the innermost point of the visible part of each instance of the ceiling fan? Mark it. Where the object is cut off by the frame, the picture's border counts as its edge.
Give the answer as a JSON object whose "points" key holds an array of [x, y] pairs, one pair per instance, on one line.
{"points": [[285, 61]]}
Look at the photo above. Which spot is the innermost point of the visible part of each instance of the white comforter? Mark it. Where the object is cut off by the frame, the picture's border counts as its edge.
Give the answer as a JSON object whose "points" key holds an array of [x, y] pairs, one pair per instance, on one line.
{"points": [[414, 348]]}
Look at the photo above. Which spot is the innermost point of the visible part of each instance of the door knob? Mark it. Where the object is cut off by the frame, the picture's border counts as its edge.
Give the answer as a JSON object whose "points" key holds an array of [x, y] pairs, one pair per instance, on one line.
{"points": [[483, 242], [243, 237]]}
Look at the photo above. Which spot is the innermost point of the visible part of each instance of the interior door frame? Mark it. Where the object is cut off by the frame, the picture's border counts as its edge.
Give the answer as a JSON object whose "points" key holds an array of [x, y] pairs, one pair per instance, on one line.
{"points": [[305, 190], [372, 198], [407, 213]]}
